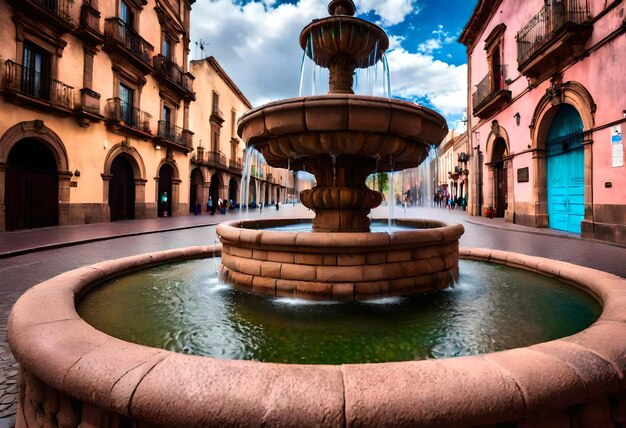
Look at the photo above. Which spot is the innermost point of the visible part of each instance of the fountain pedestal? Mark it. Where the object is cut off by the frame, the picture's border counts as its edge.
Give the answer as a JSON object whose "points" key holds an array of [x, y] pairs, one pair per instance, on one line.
{"points": [[341, 200]]}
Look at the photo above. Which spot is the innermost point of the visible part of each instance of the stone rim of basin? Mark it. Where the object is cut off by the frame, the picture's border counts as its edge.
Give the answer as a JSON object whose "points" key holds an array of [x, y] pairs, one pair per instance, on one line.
{"points": [[60, 353]]}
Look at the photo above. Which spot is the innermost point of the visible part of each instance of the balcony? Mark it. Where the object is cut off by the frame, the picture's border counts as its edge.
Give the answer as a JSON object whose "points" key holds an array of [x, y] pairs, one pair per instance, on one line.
{"points": [[217, 117], [557, 33], [174, 136], [89, 109], [124, 40], [26, 86], [53, 13], [217, 160], [236, 165], [128, 119], [89, 28], [491, 93], [170, 73]]}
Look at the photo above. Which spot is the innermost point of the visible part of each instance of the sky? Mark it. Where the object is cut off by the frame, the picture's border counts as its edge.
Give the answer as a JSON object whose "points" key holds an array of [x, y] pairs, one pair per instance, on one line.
{"points": [[257, 44]]}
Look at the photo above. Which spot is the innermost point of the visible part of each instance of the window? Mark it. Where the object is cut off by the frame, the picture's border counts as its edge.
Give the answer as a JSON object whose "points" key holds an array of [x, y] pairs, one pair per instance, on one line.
{"points": [[127, 98], [36, 71], [216, 100], [126, 15], [166, 49], [233, 123]]}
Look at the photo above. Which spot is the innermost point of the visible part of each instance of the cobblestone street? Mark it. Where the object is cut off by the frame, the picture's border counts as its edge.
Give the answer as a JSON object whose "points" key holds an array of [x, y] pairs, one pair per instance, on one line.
{"points": [[25, 263]]}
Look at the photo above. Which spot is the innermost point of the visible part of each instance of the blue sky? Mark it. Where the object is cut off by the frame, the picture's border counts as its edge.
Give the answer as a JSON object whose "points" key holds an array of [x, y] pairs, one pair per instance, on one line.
{"points": [[256, 42]]}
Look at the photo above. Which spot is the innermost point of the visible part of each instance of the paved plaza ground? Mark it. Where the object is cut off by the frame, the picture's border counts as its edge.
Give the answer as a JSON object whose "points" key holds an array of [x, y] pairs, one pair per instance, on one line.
{"points": [[29, 257]]}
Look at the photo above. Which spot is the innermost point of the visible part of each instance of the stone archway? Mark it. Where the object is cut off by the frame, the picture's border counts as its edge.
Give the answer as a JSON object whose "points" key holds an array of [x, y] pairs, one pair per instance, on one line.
{"points": [[233, 190], [168, 188], [196, 189], [499, 189], [47, 142], [577, 96], [129, 185]]}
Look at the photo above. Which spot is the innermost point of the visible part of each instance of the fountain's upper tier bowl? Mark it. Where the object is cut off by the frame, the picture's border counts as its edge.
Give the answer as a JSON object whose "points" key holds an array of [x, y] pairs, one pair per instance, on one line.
{"points": [[344, 36], [290, 130]]}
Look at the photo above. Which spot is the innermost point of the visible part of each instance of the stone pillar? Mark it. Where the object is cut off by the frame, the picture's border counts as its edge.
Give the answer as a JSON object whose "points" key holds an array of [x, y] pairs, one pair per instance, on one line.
{"points": [[64, 197], [141, 209], [489, 188], [509, 213], [178, 208], [540, 189], [587, 225], [106, 180]]}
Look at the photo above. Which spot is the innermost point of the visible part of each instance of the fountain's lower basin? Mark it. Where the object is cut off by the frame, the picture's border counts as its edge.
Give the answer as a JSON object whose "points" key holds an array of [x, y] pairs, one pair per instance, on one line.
{"points": [[73, 373], [339, 266]]}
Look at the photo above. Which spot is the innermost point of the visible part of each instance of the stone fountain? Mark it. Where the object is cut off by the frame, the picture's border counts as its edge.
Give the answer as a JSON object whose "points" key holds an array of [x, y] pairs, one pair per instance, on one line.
{"points": [[73, 375], [341, 138]]}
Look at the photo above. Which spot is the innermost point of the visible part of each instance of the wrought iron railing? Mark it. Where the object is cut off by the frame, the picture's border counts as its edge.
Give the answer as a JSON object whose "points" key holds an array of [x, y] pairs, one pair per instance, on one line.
{"points": [[491, 83], [60, 8], [120, 111], [236, 164], [117, 30], [37, 85], [217, 158], [169, 69], [552, 16], [175, 134]]}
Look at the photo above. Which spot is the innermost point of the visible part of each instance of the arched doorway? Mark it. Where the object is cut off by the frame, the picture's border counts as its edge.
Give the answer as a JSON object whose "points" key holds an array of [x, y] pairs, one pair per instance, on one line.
{"points": [[566, 170], [252, 199], [32, 186], [267, 194], [216, 185], [195, 190], [122, 189], [233, 188], [166, 173], [500, 177]]}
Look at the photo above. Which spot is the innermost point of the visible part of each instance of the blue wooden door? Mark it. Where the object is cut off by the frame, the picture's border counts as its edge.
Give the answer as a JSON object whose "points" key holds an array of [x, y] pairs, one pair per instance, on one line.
{"points": [[566, 171]]}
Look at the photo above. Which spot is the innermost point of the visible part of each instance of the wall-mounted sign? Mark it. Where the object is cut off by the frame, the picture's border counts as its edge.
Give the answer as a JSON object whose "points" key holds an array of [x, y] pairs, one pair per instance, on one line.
{"points": [[617, 147], [522, 175], [73, 183]]}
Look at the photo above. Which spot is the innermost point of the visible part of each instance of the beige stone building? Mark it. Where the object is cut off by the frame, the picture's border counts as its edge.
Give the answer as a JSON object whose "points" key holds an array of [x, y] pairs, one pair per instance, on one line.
{"points": [[219, 157], [94, 122], [453, 165], [98, 113]]}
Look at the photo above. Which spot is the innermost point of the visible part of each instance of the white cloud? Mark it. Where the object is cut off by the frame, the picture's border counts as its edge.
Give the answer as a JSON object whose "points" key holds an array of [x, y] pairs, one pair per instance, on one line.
{"points": [[391, 11], [258, 46], [439, 39], [417, 76]]}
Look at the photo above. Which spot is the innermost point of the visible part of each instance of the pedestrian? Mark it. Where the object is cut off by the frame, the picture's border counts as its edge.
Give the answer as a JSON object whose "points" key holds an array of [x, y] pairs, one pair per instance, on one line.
{"points": [[210, 206], [261, 208], [224, 206], [196, 208], [277, 206]]}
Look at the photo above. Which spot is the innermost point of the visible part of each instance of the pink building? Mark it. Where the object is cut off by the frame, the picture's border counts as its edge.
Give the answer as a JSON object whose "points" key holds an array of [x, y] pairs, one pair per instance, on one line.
{"points": [[547, 110]]}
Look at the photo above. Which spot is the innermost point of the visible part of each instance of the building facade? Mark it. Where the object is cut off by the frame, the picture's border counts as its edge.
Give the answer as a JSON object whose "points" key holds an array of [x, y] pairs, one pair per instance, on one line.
{"points": [[95, 111], [453, 164], [218, 162], [546, 114]]}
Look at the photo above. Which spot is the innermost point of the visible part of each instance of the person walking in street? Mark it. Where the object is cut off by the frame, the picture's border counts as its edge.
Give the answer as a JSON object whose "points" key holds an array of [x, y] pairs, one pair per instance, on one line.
{"points": [[210, 206]]}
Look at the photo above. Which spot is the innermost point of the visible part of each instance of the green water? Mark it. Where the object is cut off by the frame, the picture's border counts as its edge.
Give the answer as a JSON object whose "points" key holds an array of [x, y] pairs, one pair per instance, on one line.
{"points": [[184, 308]]}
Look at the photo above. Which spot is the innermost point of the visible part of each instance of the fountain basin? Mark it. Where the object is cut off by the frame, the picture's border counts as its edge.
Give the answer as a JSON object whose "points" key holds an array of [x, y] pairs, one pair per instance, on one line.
{"points": [[289, 131], [338, 266], [76, 374]]}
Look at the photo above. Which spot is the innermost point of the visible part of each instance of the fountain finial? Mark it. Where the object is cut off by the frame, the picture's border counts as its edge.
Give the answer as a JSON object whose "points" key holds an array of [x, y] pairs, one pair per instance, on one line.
{"points": [[341, 7]]}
